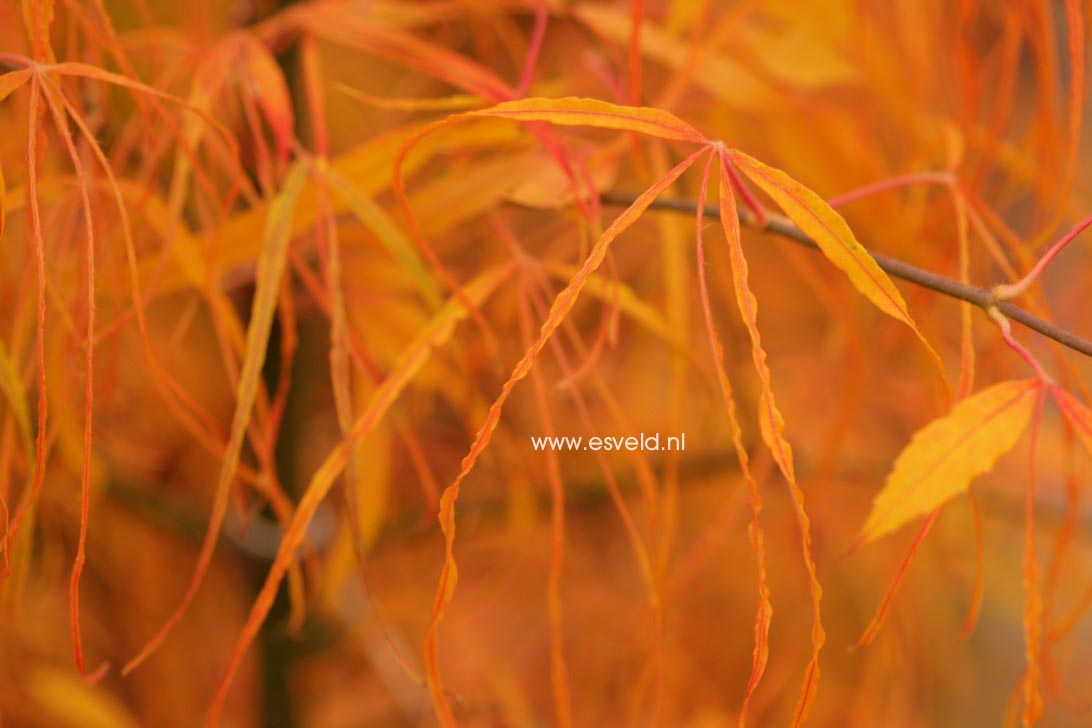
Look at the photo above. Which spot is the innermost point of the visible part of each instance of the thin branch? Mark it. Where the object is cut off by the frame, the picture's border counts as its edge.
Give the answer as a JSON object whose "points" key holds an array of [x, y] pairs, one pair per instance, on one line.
{"points": [[980, 297]]}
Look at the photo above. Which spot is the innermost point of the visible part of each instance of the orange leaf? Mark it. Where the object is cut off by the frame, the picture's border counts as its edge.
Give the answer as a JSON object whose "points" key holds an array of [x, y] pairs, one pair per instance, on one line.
{"points": [[818, 220], [761, 653], [560, 308], [38, 16], [771, 423], [84, 70], [772, 426], [1076, 414], [949, 452], [9, 82], [258, 70], [409, 363], [574, 111]]}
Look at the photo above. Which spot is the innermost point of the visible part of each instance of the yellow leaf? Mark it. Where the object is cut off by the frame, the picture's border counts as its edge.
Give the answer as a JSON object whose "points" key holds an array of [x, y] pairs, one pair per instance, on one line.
{"points": [[365, 209], [258, 73], [826, 227], [12, 388], [620, 294], [821, 223], [574, 111], [372, 479], [949, 452], [456, 102], [798, 59], [69, 701], [368, 169]]}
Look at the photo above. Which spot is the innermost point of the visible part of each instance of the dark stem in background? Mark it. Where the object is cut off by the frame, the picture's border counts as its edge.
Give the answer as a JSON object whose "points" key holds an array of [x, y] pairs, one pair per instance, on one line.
{"points": [[980, 297]]}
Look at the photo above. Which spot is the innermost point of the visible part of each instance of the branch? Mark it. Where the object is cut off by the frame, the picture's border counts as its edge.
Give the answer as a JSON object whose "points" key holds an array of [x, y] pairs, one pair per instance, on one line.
{"points": [[980, 297]]}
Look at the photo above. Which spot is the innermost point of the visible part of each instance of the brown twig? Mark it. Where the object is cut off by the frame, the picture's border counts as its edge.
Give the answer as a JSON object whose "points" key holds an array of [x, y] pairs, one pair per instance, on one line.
{"points": [[980, 297]]}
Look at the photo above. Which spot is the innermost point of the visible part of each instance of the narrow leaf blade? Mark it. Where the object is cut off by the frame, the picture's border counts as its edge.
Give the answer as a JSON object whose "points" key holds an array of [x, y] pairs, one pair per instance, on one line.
{"points": [[1076, 414], [821, 223], [945, 455], [406, 368], [814, 216], [772, 426], [271, 265], [575, 111]]}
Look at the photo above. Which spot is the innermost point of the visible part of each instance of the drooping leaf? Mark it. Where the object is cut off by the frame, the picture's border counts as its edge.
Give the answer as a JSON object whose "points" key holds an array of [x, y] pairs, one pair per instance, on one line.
{"points": [[829, 230], [271, 264], [559, 673], [434, 334], [764, 614], [947, 454], [256, 68], [560, 308], [88, 364], [624, 297], [771, 425], [771, 422]]}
